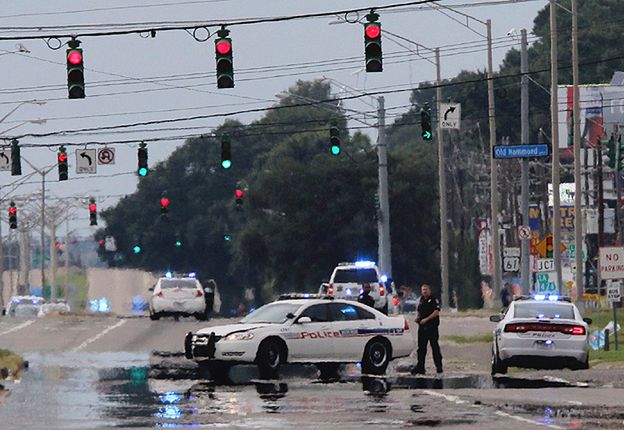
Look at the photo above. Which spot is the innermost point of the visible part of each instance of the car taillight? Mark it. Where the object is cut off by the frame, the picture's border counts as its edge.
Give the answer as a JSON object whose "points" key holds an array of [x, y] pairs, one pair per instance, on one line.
{"points": [[330, 290], [395, 301], [159, 294], [405, 325], [382, 290], [199, 294], [561, 328]]}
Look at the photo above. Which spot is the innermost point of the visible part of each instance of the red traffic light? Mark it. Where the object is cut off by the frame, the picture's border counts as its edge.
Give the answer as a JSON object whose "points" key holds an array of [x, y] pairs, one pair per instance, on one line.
{"points": [[58, 245], [164, 202], [62, 157], [101, 241], [92, 207], [74, 57], [223, 47], [12, 210], [373, 31], [239, 193]]}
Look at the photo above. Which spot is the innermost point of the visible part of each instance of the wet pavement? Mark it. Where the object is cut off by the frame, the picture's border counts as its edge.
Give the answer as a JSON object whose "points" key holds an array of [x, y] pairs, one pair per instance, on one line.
{"points": [[141, 390]]}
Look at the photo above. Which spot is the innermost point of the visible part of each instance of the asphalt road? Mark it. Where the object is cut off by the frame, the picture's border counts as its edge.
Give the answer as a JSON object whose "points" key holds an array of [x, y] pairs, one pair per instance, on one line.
{"points": [[100, 372]]}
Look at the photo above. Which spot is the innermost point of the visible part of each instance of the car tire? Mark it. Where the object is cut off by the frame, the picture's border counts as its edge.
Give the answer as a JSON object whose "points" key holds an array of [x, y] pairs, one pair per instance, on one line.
{"points": [[377, 355], [328, 371], [216, 371], [154, 316], [583, 365], [270, 356], [498, 365]]}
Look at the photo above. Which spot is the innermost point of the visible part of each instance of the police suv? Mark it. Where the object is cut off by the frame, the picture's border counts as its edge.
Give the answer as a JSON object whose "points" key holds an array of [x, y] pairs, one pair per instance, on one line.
{"points": [[297, 329], [540, 332]]}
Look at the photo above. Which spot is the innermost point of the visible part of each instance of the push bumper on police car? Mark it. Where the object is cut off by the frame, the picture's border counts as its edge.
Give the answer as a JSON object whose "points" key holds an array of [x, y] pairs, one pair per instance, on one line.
{"points": [[233, 346]]}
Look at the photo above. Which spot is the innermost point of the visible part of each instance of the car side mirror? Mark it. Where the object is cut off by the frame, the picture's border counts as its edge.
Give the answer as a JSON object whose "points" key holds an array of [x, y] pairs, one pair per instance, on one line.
{"points": [[495, 318], [150, 289], [588, 320], [304, 320], [290, 315]]}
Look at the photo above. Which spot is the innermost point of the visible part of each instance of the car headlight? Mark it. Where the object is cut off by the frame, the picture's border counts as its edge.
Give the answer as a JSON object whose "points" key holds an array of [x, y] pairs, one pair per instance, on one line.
{"points": [[245, 335]]}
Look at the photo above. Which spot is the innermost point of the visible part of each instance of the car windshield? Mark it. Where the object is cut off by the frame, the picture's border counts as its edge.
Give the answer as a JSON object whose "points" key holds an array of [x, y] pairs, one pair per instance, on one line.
{"points": [[544, 310], [274, 313], [357, 276], [27, 301], [178, 283]]}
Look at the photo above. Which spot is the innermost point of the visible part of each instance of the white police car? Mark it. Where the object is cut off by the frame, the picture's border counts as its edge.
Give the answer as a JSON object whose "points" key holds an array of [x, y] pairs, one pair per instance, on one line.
{"points": [[540, 332], [177, 296], [347, 281], [316, 330]]}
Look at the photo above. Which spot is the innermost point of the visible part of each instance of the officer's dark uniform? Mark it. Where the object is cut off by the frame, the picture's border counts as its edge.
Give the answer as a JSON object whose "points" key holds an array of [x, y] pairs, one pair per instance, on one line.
{"points": [[428, 333], [366, 299]]}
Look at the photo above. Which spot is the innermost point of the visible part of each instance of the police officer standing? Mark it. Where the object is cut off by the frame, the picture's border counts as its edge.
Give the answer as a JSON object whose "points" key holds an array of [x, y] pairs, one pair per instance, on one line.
{"points": [[428, 319], [365, 297]]}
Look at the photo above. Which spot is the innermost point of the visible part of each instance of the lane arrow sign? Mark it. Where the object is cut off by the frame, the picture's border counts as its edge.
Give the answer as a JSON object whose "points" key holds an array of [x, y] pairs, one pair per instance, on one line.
{"points": [[84, 155], [449, 110]]}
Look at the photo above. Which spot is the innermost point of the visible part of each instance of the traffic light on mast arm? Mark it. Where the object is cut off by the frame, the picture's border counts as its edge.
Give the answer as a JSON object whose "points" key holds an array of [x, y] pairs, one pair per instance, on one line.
{"points": [[425, 122], [225, 64], [16, 161], [92, 212], [238, 195], [75, 70], [61, 158], [12, 216], [612, 153], [226, 152], [372, 43], [142, 156]]}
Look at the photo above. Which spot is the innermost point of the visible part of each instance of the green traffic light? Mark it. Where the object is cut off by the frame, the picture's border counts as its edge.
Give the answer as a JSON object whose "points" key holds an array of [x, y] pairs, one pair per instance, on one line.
{"points": [[226, 164], [335, 150], [227, 237], [143, 171], [178, 243], [427, 135], [136, 249]]}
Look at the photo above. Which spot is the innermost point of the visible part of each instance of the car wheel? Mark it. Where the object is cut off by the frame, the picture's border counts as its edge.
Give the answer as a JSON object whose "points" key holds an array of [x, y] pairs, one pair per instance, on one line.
{"points": [[376, 357], [154, 316], [498, 366], [216, 371], [583, 365], [269, 358], [328, 371]]}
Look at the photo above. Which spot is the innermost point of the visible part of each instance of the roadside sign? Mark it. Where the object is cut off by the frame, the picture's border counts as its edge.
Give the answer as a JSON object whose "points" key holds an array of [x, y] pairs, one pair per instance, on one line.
{"points": [[611, 263], [110, 244], [450, 115], [542, 249], [5, 158], [511, 264], [85, 161], [545, 265], [524, 232], [546, 283], [106, 156], [520, 151], [614, 292]]}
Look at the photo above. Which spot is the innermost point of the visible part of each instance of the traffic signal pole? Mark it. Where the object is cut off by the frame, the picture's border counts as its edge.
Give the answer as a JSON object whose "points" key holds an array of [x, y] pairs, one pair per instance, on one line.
{"points": [[383, 223], [444, 272]]}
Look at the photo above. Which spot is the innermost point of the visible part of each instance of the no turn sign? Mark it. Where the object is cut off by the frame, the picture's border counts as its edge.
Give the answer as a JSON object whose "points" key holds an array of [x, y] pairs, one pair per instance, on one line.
{"points": [[524, 232], [106, 156]]}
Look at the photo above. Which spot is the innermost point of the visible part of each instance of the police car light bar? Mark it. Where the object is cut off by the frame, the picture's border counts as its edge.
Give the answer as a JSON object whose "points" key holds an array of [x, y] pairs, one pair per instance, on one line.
{"points": [[364, 263], [545, 297], [296, 296]]}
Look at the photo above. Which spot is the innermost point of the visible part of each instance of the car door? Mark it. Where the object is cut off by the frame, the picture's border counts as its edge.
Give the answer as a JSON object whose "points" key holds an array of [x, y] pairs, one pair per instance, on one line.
{"points": [[351, 323], [311, 341]]}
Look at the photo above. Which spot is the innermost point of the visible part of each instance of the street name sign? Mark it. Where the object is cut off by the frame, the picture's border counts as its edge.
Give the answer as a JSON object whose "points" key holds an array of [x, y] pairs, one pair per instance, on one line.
{"points": [[520, 151], [451, 115], [611, 263]]}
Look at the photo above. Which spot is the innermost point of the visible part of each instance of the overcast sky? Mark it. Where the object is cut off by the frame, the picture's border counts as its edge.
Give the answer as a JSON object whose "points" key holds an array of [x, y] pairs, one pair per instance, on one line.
{"points": [[131, 59]]}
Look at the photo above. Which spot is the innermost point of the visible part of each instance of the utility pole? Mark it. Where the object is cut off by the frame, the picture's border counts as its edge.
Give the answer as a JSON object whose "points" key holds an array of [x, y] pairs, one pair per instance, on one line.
{"points": [[442, 192], [67, 259], [1, 264], [524, 121], [43, 175], [578, 184], [383, 223], [554, 113], [496, 257]]}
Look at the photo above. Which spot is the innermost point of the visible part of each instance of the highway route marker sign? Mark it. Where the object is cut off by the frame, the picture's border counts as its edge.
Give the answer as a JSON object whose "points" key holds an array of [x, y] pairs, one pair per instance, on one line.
{"points": [[450, 115], [86, 161]]}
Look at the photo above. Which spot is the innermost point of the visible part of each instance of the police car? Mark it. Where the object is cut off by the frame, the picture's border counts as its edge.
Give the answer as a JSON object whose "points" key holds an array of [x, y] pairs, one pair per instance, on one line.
{"points": [[540, 332], [347, 280], [179, 295], [315, 329]]}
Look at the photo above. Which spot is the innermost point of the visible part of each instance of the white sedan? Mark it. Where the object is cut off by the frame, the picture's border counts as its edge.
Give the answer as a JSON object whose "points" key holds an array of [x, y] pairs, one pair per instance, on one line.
{"points": [[540, 332], [320, 331]]}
